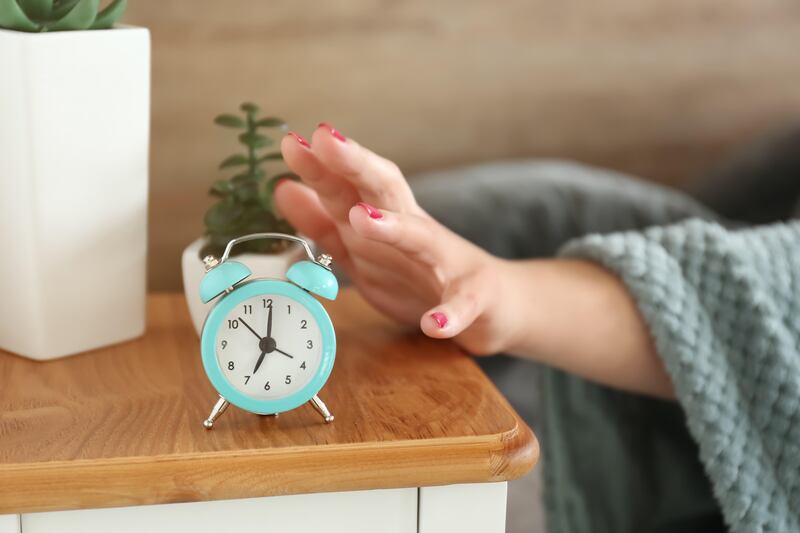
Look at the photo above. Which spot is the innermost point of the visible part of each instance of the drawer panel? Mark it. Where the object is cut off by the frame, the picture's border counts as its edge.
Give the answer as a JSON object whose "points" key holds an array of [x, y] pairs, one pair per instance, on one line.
{"points": [[9, 523], [389, 510]]}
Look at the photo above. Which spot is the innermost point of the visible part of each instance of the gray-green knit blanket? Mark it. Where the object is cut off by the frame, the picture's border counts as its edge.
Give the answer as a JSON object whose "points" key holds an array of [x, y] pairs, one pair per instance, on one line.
{"points": [[724, 310]]}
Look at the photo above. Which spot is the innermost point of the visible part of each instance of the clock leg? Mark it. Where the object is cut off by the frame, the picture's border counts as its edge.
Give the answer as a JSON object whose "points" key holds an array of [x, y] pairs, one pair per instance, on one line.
{"points": [[322, 409], [218, 409]]}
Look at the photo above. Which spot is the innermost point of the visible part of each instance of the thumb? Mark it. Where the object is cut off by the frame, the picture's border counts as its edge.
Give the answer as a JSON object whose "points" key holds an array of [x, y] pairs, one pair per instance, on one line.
{"points": [[462, 303]]}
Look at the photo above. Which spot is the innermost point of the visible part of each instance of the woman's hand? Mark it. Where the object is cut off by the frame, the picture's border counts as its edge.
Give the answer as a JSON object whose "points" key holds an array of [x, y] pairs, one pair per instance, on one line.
{"points": [[573, 315], [359, 207]]}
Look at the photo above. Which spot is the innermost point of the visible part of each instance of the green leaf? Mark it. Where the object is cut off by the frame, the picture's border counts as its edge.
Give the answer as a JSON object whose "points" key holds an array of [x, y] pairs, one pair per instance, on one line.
{"points": [[247, 192], [274, 156], [13, 18], [231, 121], [233, 161], [249, 107], [107, 17], [79, 18], [37, 9], [61, 8], [247, 177], [221, 188], [223, 215], [254, 140], [271, 122]]}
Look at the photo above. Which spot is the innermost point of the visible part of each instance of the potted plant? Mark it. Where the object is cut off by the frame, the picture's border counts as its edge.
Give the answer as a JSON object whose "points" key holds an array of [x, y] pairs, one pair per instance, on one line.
{"points": [[74, 126], [244, 205]]}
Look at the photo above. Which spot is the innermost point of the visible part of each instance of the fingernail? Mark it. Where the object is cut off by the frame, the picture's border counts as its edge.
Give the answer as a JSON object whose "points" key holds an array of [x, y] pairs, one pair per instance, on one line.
{"points": [[299, 138], [333, 131], [371, 211], [279, 183], [440, 319]]}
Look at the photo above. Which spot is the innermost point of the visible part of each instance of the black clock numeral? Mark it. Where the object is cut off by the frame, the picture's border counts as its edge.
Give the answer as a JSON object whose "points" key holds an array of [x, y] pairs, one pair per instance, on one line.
{"points": [[246, 380], [267, 303], [303, 324], [230, 365], [288, 380], [233, 324], [288, 309], [248, 309], [266, 386], [309, 344], [224, 344], [303, 366]]}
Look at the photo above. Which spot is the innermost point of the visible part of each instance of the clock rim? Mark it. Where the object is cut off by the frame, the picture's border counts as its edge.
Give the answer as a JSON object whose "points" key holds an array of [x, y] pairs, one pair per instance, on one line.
{"points": [[215, 319]]}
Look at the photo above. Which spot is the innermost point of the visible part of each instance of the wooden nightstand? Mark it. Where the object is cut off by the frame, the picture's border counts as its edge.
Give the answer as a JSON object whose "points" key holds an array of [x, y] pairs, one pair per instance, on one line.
{"points": [[422, 440]]}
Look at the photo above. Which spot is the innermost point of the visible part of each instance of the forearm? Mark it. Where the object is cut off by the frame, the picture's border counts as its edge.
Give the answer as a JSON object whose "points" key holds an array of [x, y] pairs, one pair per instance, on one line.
{"points": [[579, 317]]}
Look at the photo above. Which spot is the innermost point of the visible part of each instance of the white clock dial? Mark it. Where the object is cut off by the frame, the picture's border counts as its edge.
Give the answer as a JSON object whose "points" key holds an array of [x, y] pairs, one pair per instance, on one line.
{"points": [[269, 361]]}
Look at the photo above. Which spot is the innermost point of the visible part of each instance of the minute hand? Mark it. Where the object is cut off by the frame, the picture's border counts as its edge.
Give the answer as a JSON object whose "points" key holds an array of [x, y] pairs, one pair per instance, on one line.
{"points": [[269, 323], [284, 353]]}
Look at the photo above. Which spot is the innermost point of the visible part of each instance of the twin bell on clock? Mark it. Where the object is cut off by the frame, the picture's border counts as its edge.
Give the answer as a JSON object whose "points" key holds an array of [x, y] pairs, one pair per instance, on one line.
{"points": [[267, 345]]}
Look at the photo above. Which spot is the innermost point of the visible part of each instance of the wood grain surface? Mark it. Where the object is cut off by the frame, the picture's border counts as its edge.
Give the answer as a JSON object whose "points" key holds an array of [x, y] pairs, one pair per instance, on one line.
{"points": [[661, 90], [123, 425]]}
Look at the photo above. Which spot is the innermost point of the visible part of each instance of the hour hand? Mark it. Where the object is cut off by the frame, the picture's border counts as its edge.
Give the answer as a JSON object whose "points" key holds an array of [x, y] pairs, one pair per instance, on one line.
{"points": [[260, 360]]}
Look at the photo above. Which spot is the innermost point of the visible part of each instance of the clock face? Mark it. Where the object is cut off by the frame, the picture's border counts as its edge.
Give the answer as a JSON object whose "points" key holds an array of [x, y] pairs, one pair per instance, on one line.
{"points": [[269, 346]]}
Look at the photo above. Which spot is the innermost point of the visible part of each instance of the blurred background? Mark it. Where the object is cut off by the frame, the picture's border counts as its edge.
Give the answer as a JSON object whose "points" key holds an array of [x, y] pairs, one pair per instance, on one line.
{"points": [[660, 90]]}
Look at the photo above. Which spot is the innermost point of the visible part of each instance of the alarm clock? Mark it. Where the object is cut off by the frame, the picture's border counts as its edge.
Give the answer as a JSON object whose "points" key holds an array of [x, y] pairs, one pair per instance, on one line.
{"points": [[267, 345]]}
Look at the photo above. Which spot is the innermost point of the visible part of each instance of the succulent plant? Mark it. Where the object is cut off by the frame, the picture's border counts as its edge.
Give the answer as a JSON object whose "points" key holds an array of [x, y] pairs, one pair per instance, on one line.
{"points": [[59, 15], [245, 200]]}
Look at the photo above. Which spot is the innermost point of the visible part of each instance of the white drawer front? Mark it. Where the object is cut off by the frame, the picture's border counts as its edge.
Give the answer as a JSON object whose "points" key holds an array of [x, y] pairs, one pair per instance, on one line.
{"points": [[9, 523], [390, 511], [468, 508]]}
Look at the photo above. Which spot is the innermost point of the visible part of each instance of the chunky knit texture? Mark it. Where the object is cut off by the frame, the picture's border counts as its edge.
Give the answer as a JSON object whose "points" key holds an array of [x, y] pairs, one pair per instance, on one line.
{"points": [[724, 310]]}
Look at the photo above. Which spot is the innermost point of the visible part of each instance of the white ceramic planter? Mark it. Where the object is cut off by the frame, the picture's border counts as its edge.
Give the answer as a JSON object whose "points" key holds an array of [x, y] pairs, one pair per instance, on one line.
{"points": [[262, 265], [74, 119]]}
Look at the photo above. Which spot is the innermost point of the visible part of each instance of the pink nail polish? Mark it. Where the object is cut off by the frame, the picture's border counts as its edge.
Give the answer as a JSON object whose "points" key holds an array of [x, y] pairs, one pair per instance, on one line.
{"points": [[371, 211], [440, 319], [333, 131], [300, 139], [279, 183]]}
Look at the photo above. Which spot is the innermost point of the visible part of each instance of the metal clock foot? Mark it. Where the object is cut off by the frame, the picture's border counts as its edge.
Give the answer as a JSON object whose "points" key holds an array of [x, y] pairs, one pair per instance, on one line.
{"points": [[322, 409], [216, 412]]}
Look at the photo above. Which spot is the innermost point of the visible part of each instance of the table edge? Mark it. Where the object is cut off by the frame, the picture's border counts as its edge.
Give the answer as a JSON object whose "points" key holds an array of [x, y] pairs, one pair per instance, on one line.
{"points": [[141, 480]]}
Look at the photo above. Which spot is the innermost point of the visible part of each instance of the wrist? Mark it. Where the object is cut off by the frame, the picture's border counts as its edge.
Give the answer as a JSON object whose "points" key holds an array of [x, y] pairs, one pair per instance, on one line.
{"points": [[509, 311]]}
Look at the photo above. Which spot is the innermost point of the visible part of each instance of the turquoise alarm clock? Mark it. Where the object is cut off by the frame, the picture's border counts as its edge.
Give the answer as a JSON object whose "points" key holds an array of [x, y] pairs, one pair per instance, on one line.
{"points": [[267, 345]]}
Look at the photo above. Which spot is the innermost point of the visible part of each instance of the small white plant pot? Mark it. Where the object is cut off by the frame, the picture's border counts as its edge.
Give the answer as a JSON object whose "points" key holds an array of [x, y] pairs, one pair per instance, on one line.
{"points": [[74, 127], [262, 266]]}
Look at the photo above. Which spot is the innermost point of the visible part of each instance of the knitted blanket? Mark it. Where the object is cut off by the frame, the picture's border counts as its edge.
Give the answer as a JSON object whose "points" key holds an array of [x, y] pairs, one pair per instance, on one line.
{"points": [[724, 310]]}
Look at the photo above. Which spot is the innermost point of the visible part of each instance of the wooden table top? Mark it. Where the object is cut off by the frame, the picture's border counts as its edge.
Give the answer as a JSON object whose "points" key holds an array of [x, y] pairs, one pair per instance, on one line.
{"points": [[123, 426]]}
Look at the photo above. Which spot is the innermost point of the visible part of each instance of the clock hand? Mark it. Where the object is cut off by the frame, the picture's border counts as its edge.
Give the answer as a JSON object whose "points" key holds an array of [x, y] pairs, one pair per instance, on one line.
{"points": [[251, 329], [269, 323], [260, 360], [284, 353]]}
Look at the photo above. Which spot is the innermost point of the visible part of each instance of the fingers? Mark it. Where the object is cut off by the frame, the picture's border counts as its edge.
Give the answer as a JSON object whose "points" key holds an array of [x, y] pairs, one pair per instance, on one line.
{"points": [[418, 236], [377, 180], [336, 193], [302, 209]]}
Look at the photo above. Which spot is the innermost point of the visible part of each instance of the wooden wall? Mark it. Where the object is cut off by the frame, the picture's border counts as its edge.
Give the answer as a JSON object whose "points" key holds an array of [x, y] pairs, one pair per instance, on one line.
{"points": [[659, 89]]}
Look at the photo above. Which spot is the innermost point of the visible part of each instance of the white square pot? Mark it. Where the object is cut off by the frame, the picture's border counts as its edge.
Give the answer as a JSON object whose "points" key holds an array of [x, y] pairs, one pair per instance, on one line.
{"points": [[262, 265], [74, 126]]}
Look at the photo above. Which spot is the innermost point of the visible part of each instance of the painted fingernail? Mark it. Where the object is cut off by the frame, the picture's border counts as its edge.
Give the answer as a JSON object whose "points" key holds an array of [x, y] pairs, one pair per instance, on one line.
{"points": [[333, 131], [280, 182], [299, 138], [371, 211], [440, 319]]}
